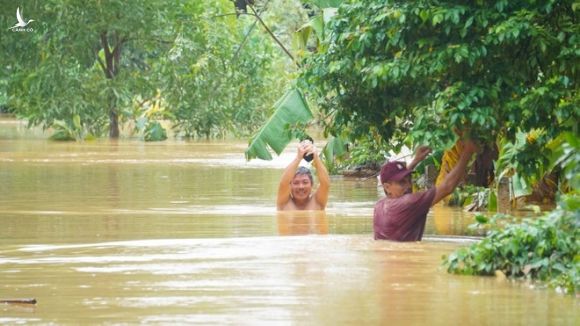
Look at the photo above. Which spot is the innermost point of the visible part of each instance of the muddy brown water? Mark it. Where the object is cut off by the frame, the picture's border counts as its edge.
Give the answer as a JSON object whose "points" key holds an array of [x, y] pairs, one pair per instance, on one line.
{"points": [[186, 233]]}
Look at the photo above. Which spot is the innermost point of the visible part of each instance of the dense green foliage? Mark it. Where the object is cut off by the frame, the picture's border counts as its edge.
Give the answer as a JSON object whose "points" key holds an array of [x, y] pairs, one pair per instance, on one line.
{"points": [[84, 61], [545, 249], [88, 68], [368, 151], [414, 71]]}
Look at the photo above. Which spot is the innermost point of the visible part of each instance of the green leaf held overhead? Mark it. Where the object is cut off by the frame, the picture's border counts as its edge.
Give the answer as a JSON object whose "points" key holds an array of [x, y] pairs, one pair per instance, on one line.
{"points": [[289, 110]]}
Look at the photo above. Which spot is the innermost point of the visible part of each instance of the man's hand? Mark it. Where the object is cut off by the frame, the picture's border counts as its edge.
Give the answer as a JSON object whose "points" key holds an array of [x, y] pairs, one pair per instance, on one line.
{"points": [[469, 147], [421, 152], [306, 147]]}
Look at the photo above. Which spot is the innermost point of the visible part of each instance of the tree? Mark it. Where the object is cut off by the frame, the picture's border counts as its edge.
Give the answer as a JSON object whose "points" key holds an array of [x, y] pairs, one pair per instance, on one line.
{"points": [[89, 67], [89, 58], [415, 71], [222, 77]]}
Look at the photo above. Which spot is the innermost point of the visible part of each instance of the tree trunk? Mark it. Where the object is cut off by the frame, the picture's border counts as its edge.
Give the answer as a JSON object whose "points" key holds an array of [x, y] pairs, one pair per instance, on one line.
{"points": [[504, 196], [113, 122], [483, 167], [111, 69]]}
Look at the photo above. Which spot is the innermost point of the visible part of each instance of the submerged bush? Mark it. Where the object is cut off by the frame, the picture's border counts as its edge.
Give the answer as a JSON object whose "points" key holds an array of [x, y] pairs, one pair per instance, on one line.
{"points": [[544, 249]]}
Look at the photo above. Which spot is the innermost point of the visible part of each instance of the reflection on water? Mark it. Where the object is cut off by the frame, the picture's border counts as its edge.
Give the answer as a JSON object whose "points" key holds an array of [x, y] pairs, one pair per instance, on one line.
{"points": [[302, 222], [187, 232]]}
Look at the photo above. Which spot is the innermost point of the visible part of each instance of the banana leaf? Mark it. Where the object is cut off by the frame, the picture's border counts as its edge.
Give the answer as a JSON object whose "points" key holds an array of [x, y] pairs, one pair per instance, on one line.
{"points": [[334, 147], [316, 24], [520, 186], [302, 35], [566, 154], [289, 110]]}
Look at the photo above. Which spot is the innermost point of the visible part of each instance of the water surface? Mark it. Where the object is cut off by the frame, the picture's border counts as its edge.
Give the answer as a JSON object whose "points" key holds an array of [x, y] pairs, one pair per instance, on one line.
{"points": [[181, 232]]}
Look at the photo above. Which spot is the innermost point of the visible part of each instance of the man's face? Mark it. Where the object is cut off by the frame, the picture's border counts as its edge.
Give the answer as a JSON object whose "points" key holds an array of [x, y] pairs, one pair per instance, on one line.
{"points": [[301, 187], [396, 189]]}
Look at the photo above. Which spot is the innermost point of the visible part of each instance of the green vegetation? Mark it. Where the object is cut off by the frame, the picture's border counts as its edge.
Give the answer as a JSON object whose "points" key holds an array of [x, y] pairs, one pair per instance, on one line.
{"points": [[367, 152], [399, 70], [545, 249], [91, 68], [404, 69]]}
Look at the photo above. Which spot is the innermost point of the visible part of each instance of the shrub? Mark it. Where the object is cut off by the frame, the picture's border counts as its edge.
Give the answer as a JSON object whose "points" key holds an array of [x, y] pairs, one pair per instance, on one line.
{"points": [[543, 249]]}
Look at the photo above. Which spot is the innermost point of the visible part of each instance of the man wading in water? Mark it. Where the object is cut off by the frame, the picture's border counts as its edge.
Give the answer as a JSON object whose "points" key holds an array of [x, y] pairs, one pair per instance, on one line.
{"points": [[295, 189], [401, 215]]}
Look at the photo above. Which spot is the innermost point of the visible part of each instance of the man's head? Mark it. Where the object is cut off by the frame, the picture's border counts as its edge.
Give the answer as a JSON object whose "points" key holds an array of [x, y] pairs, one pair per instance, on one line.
{"points": [[396, 179], [301, 184]]}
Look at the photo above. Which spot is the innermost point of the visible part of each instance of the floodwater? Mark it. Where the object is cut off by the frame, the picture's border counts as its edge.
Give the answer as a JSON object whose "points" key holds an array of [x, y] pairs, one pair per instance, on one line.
{"points": [[179, 232]]}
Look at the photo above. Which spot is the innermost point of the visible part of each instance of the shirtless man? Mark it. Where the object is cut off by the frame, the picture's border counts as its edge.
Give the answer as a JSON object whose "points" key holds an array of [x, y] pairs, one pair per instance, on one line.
{"points": [[295, 189]]}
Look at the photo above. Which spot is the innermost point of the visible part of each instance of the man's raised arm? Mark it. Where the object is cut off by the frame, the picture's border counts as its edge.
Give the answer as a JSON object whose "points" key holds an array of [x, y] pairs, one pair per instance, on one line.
{"points": [[321, 195], [452, 179], [420, 154]]}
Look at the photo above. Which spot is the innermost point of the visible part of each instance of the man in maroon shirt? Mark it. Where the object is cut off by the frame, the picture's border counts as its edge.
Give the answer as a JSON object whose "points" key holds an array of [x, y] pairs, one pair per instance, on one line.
{"points": [[401, 215]]}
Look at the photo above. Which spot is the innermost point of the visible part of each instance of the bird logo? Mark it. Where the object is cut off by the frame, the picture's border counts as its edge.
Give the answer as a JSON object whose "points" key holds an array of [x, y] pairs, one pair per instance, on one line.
{"points": [[21, 23]]}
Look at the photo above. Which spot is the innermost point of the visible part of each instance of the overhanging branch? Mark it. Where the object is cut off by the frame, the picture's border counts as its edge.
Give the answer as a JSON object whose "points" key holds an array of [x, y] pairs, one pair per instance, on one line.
{"points": [[255, 14], [259, 19]]}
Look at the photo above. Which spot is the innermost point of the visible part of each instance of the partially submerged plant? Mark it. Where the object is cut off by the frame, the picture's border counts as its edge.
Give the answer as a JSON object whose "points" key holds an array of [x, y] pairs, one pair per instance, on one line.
{"points": [[543, 249]]}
